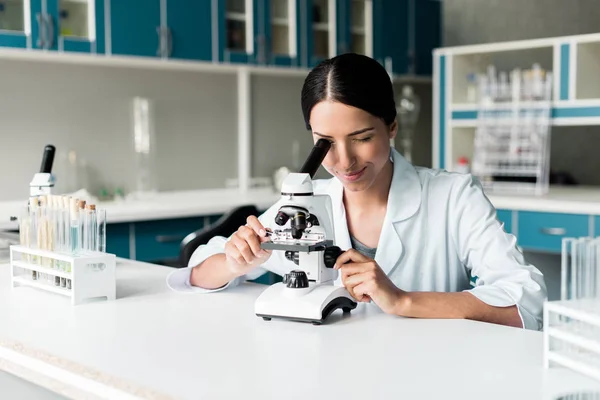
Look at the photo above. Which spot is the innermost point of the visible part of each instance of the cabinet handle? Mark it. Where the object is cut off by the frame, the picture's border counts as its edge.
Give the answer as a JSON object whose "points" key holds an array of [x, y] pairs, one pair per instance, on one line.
{"points": [[50, 27], [554, 231], [169, 238], [41, 41]]}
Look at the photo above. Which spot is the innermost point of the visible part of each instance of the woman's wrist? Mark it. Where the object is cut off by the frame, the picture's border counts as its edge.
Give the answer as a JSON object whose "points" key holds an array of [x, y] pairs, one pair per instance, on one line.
{"points": [[403, 303]]}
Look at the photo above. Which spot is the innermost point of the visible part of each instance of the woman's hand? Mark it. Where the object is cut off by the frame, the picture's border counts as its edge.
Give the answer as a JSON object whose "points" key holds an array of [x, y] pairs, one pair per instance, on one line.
{"points": [[242, 251], [365, 281]]}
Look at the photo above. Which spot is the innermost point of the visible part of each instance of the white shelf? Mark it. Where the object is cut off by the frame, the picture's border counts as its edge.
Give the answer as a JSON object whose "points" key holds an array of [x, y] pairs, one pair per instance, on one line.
{"points": [[43, 270], [47, 287]]}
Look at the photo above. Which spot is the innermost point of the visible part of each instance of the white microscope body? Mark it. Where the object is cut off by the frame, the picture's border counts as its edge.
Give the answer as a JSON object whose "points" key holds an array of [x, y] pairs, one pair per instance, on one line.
{"points": [[307, 293]]}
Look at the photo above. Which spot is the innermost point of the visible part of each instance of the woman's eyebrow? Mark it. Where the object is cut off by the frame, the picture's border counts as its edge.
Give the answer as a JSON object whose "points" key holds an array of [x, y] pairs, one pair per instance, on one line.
{"points": [[358, 132]]}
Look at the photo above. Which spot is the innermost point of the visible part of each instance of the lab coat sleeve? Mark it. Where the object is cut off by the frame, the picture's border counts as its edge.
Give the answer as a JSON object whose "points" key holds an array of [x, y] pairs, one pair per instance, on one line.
{"points": [[179, 279], [503, 277]]}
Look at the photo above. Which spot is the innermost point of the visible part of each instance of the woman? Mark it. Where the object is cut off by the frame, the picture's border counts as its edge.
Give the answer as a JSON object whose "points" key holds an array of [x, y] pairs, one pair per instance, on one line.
{"points": [[414, 235]]}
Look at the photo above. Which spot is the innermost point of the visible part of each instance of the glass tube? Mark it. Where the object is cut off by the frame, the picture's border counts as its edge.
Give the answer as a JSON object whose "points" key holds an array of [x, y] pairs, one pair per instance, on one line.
{"points": [[101, 230]]}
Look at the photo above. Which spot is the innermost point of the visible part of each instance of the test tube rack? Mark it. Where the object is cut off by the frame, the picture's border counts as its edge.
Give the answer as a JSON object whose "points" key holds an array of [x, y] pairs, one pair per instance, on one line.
{"points": [[572, 325], [92, 273]]}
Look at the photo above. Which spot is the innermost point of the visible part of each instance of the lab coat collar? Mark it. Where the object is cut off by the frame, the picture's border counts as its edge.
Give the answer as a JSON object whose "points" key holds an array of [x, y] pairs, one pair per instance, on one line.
{"points": [[404, 201]]}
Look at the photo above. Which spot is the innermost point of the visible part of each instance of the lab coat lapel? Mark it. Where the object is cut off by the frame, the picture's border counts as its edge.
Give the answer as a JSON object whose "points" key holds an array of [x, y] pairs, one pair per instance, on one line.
{"points": [[404, 201]]}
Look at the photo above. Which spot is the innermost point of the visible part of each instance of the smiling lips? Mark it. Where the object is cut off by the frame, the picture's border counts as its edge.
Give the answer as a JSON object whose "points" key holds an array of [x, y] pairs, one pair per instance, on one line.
{"points": [[354, 175]]}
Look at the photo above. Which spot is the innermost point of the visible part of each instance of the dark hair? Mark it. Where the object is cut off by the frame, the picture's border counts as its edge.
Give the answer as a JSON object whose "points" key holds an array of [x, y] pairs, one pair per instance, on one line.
{"points": [[352, 79]]}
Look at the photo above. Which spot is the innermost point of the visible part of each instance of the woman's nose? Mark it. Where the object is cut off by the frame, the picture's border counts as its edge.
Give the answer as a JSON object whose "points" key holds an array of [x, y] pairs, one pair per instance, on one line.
{"points": [[345, 158]]}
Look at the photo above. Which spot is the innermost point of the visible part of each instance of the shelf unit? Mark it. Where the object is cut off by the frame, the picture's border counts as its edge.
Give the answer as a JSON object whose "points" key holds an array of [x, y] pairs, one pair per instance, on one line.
{"points": [[574, 60]]}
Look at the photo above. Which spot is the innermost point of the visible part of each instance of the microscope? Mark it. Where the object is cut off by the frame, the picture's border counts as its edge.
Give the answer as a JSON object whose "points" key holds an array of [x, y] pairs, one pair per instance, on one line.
{"points": [[304, 231], [43, 181]]}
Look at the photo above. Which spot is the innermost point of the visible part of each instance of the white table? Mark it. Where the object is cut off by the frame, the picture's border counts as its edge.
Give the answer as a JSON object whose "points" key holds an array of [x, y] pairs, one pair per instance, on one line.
{"points": [[152, 341]]}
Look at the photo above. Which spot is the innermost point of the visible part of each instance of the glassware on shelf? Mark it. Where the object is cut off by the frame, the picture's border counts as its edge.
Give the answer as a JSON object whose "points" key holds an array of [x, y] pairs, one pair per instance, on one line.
{"points": [[408, 107]]}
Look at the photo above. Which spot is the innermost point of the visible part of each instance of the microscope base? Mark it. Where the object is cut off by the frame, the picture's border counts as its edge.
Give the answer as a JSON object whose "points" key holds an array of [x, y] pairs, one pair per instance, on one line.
{"points": [[313, 304]]}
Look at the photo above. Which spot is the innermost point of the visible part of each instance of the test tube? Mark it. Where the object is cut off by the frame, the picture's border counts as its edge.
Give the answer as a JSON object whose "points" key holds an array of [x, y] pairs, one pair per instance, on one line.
{"points": [[24, 232], [33, 232], [74, 234], [66, 223], [101, 230]]}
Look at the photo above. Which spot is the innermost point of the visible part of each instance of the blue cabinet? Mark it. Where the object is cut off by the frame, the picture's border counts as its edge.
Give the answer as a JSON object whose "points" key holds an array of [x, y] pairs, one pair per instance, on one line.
{"points": [[118, 239], [391, 33], [135, 27], [427, 35], [544, 231], [160, 240], [505, 217], [289, 33], [189, 29]]}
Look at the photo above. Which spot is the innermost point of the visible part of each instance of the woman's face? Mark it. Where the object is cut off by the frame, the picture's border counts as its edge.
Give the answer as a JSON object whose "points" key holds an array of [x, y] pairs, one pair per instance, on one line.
{"points": [[360, 142]]}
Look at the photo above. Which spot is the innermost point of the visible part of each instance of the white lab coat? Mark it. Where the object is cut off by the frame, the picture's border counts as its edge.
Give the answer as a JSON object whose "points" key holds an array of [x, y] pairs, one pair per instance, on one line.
{"points": [[439, 230]]}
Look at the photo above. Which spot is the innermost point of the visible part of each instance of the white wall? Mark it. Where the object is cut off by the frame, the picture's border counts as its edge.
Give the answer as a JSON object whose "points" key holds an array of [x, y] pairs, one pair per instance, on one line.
{"points": [[87, 108]]}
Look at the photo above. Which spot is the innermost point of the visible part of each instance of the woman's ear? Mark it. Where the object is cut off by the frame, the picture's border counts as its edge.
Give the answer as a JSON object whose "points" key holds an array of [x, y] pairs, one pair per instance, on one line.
{"points": [[393, 129]]}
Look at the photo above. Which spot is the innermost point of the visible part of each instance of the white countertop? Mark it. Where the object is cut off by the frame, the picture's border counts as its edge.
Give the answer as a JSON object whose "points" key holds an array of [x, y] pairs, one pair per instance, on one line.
{"points": [[576, 200], [165, 205], [160, 344], [560, 199]]}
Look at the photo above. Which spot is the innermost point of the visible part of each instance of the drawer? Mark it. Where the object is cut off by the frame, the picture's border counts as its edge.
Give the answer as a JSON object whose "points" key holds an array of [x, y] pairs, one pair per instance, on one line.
{"points": [[117, 240], [161, 240], [505, 217], [545, 231]]}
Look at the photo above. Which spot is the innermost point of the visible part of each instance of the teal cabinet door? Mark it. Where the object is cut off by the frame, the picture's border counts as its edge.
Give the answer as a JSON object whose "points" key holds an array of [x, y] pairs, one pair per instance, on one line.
{"points": [[353, 31], [317, 31], [13, 18], [544, 231], [391, 33], [281, 39], [427, 35], [76, 26], [135, 27], [190, 29], [118, 239], [239, 29], [505, 217]]}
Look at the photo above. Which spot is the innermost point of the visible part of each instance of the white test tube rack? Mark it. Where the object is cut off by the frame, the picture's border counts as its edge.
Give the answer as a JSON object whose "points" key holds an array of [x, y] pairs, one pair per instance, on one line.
{"points": [[572, 325], [92, 274]]}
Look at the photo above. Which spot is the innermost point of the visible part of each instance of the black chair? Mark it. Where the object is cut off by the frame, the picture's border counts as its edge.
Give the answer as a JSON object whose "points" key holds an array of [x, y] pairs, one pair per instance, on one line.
{"points": [[224, 226]]}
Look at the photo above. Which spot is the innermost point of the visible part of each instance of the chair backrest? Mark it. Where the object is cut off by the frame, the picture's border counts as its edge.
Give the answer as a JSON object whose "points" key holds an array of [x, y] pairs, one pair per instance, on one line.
{"points": [[224, 226]]}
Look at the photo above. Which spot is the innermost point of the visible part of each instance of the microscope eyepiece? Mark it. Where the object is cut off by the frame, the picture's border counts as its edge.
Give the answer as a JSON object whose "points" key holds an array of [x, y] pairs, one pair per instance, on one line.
{"points": [[316, 156]]}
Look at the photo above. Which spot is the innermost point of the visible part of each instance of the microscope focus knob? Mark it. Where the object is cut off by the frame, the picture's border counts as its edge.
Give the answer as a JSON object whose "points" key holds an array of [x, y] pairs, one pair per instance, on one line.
{"points": [[296, 279], [330, 256]]}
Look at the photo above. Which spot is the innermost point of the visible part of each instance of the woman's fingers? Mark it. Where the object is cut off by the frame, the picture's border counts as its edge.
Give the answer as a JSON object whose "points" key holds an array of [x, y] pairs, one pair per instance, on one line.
{"points": [[243, 248], [256, 226], [250, 237], [350, 256]]}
